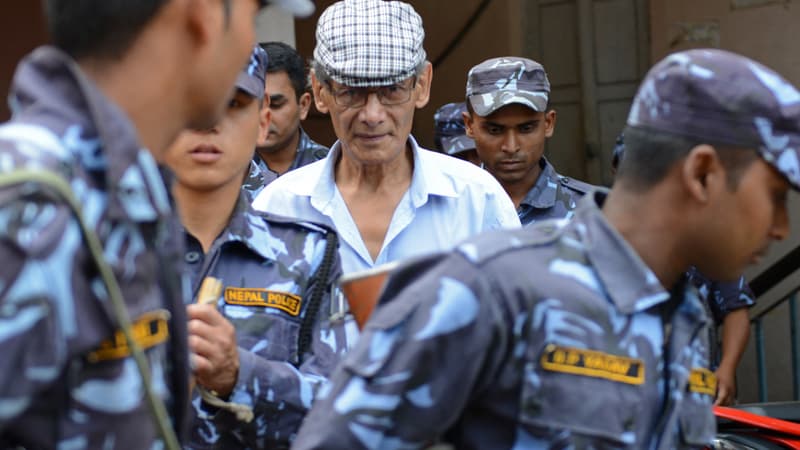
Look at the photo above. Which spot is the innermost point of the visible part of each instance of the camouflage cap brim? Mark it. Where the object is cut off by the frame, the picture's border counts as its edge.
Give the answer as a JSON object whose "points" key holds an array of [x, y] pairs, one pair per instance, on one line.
{"points": [[486, 104]]}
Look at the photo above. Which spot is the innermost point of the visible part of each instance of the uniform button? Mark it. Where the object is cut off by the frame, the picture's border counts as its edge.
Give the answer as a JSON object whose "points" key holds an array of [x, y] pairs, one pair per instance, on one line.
{"points": [[629, 424], [192, 257], [565, 180]]}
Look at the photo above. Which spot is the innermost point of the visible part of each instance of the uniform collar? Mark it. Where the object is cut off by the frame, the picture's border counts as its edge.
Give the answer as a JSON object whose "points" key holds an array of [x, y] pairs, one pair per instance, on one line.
{"points": [[251, 229], [631, 285], [543, 193]]}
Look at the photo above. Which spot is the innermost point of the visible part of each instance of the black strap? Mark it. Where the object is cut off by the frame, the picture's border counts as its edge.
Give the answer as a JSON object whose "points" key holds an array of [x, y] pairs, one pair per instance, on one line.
{"points": [[320, 283]]}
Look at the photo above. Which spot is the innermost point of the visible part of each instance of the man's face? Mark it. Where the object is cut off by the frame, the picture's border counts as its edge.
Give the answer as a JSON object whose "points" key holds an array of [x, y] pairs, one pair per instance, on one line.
{"points": [[212, 159], [227, 41], [287, 111], [373, 133], [510, 141], [747, 220]]}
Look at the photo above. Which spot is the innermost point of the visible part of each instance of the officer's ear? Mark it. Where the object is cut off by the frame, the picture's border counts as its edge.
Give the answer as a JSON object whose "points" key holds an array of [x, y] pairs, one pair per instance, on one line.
{"points": [[549, 123], [469, 122], [702, 173], [304, 103]]}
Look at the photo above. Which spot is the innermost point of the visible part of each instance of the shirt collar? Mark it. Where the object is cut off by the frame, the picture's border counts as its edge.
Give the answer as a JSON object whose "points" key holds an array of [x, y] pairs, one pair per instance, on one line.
{"points": [[427, 179], [543, 193]]}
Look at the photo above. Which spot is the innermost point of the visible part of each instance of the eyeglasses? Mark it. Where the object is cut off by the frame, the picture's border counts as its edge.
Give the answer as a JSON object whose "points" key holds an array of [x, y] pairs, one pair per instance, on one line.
{"points": [[352, 97]]}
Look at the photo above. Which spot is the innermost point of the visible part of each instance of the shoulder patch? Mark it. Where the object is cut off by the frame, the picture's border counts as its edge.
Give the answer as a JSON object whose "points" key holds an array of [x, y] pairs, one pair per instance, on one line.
{"points": [[258, 297], [494, 243]]}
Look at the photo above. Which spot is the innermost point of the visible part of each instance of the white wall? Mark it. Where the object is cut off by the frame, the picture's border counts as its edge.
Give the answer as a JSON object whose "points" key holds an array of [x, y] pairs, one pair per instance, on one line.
{"points": [[273, 24]]}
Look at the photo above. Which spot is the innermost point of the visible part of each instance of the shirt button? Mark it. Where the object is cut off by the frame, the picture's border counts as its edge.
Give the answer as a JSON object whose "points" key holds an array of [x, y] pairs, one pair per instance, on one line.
{"points": [[192, 257]]}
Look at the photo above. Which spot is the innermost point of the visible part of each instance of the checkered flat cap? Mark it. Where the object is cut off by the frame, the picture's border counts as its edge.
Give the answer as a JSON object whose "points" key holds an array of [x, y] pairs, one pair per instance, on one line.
{"points": [[369, 43], [723, 98], [498, 82]]}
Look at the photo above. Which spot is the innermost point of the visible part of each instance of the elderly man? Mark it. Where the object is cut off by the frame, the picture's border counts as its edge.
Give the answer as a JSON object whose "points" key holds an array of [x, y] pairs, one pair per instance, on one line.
{"points": [[387, 197], [585, 333]]}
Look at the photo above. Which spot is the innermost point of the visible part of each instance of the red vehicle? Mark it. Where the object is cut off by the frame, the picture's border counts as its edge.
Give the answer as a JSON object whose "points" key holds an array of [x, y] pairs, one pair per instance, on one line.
{"points": [[759, 426]]}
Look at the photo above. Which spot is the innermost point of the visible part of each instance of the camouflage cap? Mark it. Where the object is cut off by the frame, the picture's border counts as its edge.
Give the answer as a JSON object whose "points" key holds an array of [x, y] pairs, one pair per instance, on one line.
{"points": [[498, 82], [726, 99], [450, 132], [251, 78], [369, 43]]}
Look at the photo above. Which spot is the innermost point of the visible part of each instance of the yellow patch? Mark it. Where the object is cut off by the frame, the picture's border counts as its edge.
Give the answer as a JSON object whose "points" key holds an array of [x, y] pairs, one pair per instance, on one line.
{"points": [[261, 297], [149, 330], [592, 363], [703, 381]]}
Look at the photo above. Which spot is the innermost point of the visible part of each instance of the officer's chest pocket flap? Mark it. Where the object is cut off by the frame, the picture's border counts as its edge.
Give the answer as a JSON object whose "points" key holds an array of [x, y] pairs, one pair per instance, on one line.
{"points": [[597, 399]]}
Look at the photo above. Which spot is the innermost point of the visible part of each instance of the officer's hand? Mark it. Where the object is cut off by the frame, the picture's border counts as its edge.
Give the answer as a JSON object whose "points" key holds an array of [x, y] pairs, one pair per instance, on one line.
{"points": [[212, 341], [726, 387]]}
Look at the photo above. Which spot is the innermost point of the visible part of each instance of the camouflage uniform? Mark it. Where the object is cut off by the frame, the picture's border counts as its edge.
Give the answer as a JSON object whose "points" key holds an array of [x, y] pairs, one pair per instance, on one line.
{"points": [[720, 299], [557, 335], [257, 179], [308, 152], [269, 267], [67, 380], [568, 352], [552, 197], [450, 134]]}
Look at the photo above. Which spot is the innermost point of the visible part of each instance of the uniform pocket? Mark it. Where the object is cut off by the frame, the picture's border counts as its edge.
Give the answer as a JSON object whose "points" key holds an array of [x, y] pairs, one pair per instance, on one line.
{"points": [[592, 394], [268, 333], [697, 422]]}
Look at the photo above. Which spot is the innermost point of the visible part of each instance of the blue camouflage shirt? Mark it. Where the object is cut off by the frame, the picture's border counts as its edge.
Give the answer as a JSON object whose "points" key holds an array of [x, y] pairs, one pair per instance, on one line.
{"points": [[552, 197], [269, 267], [308, 151], [66, 378], [553, 336]]}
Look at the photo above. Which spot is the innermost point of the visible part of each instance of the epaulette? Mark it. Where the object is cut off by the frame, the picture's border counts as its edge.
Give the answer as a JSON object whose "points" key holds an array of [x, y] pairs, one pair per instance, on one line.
{"points": [[576, 185], [272, 218], [494, 243]]}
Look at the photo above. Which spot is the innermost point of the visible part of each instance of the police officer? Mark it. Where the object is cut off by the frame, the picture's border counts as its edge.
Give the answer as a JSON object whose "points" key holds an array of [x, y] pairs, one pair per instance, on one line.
{"points": [[509, 118], [264, 344], [286, 146], [450, 136], [585, 333], [85, 110], [727, 303]]}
